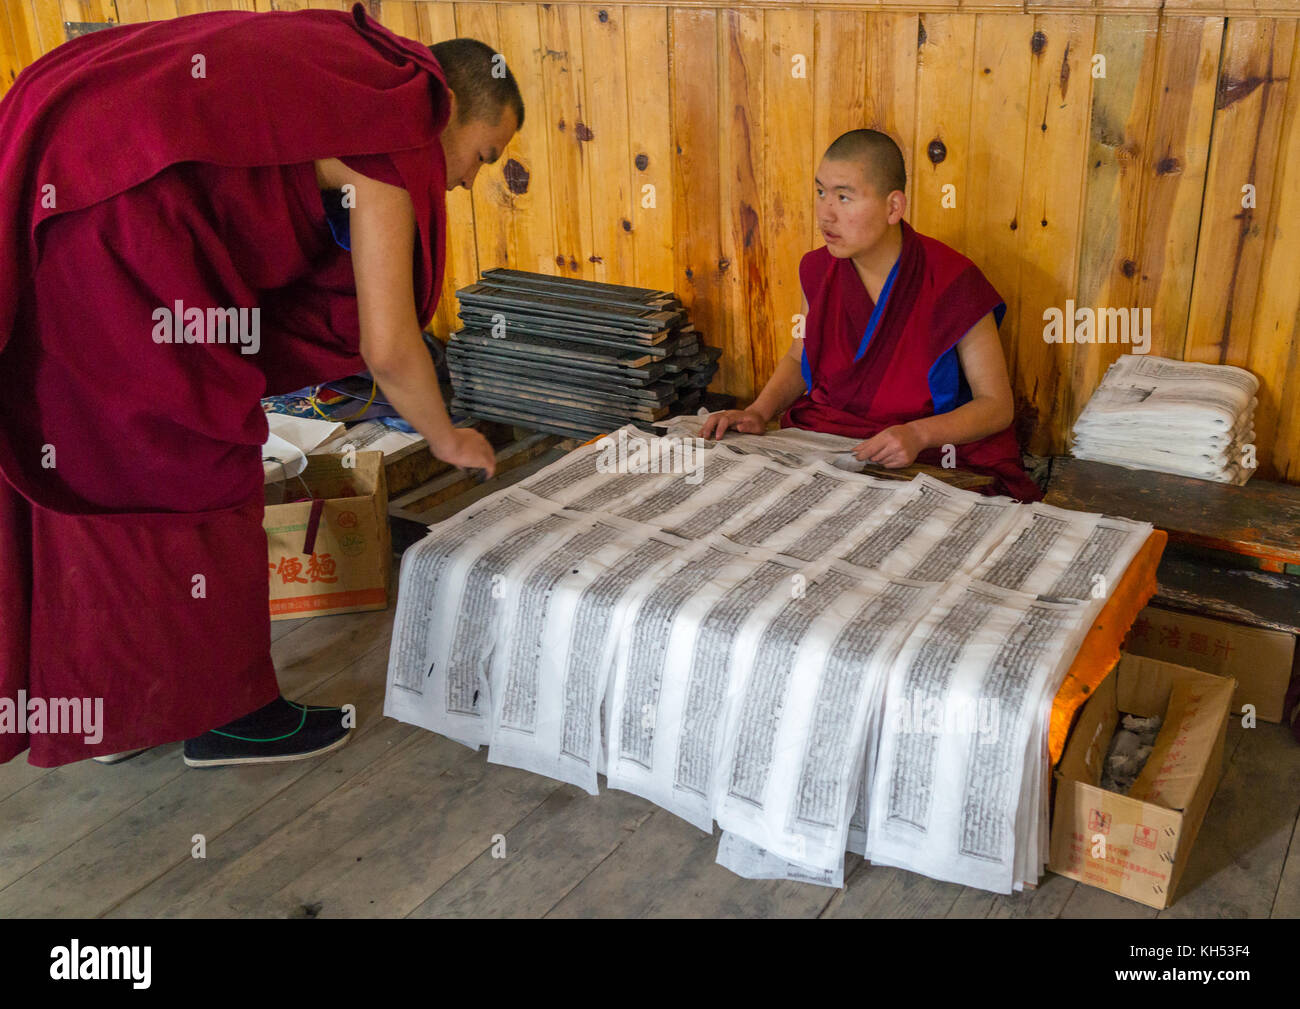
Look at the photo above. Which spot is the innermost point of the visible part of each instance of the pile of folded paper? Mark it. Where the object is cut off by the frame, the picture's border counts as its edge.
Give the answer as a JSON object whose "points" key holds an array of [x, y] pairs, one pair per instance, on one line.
{"points": [[1195, 420]]}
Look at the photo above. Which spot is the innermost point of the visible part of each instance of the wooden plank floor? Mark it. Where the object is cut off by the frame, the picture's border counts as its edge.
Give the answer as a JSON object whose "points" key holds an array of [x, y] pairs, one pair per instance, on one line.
{"points": [[401, 822]]}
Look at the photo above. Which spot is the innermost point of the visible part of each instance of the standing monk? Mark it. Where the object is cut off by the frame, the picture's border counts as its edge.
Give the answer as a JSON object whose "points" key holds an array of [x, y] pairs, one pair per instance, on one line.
{"points": [[179, 166], [901, 343]]}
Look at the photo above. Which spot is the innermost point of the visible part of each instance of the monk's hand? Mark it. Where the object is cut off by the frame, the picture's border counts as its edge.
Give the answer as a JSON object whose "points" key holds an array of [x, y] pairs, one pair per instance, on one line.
{"points": [[745, 421], [465, 447], [893, 448]]}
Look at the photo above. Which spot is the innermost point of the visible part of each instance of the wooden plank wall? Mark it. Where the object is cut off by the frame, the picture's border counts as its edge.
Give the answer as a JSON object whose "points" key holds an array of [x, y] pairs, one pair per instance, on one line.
{"points": [[674, 147]]}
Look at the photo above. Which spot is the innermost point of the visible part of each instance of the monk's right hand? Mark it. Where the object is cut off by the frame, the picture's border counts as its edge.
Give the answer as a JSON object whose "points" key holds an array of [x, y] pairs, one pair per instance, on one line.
{"points": [[744, 421], [465, 447]]}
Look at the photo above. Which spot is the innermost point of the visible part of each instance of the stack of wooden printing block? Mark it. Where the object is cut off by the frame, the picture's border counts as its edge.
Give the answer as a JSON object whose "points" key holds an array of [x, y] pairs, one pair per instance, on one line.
{"points": [[574, 357]]}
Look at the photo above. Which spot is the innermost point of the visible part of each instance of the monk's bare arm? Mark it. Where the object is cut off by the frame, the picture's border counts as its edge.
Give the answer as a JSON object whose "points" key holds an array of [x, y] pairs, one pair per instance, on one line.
{"points": [[382, 226], [989, 410], [785, 385], [783, 388]]}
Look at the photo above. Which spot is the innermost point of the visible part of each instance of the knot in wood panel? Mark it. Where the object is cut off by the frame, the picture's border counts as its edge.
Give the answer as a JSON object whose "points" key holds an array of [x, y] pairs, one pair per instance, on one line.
{"points": [[516, 177]]}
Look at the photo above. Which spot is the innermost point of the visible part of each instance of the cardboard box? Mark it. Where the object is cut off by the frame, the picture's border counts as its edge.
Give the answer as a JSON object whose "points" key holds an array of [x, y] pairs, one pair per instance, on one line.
{"points": [[1259, 660], [350, 565], [1137, 845]]}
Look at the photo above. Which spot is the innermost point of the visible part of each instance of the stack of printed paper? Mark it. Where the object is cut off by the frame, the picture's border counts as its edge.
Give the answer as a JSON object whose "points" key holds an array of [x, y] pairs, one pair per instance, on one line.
{"points": [[1180, 417], [816, 660]]}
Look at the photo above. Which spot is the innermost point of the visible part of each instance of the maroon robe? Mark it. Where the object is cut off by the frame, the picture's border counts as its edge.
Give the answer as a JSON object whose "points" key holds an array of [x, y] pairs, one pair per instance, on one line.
{"points": [[870, 367], [169, 187]]}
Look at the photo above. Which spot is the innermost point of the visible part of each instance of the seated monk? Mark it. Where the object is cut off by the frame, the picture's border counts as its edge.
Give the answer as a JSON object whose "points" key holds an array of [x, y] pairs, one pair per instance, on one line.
{"points": [[901, 345]]}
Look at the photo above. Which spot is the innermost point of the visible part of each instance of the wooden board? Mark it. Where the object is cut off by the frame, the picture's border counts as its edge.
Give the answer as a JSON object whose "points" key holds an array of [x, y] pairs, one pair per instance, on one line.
{"points": [[893, 41], [551, 400], [1051, 202], [1109, 253], [570, 169], [559, 350], [1261, 519], [669, 869], [1249, 102], [47, 22], [399, 16], [15, 51], [1173, 171], [650, 148], [521, 182], [840, 91], [1275, 338], [574, 302], [606, 152], [555, 418], [879, 891], [509, 361], [788, 227], [742, 262], [693, 76], [1192, 584], [991, 202], [570, 287], [945, 68], [1044, 901], [26, 38], [541, 858]]}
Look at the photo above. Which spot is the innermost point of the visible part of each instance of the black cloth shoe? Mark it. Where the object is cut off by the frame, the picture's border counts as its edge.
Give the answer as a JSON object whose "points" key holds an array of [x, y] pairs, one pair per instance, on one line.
{"points": [[283, 730]]}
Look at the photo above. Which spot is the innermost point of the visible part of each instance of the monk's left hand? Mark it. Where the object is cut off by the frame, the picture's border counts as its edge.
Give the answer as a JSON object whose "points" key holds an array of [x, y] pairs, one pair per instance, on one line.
{"points": [[893, 448]]}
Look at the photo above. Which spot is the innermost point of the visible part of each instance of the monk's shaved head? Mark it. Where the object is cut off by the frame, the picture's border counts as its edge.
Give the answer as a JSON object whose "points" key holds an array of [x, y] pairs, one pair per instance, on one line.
{"points": [[479, 78], [879, 156]]}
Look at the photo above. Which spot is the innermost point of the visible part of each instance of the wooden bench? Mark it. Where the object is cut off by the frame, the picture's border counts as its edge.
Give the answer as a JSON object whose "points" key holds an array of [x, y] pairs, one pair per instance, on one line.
{"points": [[1260, 520], [1234, 552]]}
